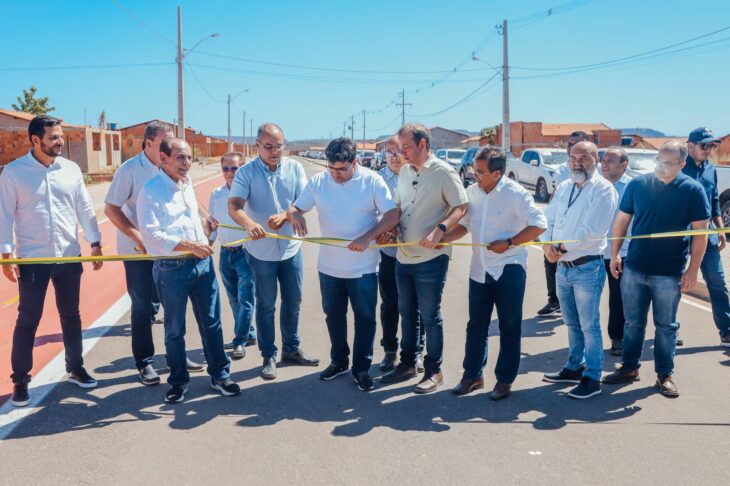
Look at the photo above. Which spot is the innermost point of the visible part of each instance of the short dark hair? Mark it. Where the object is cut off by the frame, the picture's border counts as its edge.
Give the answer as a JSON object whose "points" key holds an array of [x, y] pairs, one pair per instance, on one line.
{"points": [[494, 157], [341, 150], [166, 146], [581, 135], [623, 156], [154, 128], [418, 132], [37, 125]]}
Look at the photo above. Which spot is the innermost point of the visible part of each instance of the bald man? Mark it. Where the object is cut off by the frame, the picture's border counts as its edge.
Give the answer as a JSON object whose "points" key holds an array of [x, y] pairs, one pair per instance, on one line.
{"points": [[582, 209], [261, 193]]}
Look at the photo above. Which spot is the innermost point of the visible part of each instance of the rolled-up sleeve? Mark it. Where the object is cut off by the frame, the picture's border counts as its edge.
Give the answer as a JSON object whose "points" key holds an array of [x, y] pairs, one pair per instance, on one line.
{"points": [[8, 201], [156, 240], [531, 214], [85, 214], [241, 187]]}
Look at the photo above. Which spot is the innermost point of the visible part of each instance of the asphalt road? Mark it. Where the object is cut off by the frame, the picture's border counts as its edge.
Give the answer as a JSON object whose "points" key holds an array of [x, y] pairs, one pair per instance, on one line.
{"points": [[298, 429]]}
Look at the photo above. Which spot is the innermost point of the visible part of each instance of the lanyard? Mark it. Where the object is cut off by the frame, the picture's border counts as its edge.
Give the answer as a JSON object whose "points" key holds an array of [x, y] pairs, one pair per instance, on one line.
{"points": [[571, 199]]}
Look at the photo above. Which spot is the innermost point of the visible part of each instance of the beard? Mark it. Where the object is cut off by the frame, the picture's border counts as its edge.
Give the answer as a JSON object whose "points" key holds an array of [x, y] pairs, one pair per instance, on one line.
{"points": [[578, 176], [51, 150]]}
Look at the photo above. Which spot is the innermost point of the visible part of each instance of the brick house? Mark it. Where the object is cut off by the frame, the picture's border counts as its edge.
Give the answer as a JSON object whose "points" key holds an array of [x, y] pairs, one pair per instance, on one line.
{"points": [[94, 149], [525, 135]]}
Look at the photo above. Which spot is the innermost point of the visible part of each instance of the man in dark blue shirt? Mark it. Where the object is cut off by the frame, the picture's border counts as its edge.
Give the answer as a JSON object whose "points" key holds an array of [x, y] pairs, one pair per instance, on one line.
{"points": [[700, 146], [654, 271]]}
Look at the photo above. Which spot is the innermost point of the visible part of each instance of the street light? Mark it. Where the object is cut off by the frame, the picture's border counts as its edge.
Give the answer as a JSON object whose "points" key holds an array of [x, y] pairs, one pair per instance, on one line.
{"points": [[181, 53], [230, 99]]}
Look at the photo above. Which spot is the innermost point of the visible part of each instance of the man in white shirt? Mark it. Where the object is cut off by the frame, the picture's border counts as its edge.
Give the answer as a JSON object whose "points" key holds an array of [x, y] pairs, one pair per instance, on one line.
{"points": [[261, 193], [552, 308], [234, 269], [503, 215], [42, 196], [170, 224], [121, 209], [349, 201], [613, 168], [583, 209]]}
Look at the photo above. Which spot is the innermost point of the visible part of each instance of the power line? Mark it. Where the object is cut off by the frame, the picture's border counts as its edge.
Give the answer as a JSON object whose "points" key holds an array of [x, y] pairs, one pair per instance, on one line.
{"points": [[200, 83], [87, 66], [466, 98], [140, 22]]}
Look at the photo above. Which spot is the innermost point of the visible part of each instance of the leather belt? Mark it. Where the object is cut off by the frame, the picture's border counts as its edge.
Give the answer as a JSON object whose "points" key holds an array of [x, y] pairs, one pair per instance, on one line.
{"points": [[580, 261], [233, 249]]}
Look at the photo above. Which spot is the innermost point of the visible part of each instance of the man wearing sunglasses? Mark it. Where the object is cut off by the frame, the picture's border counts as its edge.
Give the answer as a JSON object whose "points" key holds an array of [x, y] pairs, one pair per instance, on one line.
{"points": [[353, 203], [261, 193], [700, 145], [234, 269]]}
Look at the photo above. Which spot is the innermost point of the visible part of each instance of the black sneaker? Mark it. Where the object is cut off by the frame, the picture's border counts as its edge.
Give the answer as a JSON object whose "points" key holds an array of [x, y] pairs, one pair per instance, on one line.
{"points": [[588, 387], [679, 341], [364, 382], [148, 376], [551, 309], [333, 371], [564, 376], [176, 393], [81, 378], [227, 387], [21, 398], [725, 340]]}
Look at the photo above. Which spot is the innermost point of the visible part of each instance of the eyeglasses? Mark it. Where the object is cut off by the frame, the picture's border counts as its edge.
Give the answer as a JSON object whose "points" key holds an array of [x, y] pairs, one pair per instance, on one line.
{"points": [[230, 169], [708, 146], [660, 160], [391, 153], [341, 170]]}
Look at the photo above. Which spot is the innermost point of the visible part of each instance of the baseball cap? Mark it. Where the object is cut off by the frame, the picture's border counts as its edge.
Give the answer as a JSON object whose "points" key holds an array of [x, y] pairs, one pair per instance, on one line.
{"points": [[702, 135]]}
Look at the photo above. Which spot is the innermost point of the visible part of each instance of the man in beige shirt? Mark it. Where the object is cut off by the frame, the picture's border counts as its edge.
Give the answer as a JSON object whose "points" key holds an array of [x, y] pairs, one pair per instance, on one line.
{"points": [[431, 200]]}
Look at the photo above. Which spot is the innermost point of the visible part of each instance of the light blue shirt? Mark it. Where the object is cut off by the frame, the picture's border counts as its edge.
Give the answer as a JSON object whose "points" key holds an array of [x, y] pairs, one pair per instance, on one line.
{"points": [[391, 180], [620, 186], [267, 193]]}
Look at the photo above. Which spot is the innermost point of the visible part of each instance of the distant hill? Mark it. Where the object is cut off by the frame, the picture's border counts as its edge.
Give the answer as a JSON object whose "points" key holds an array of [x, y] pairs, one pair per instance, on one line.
{"points": [[643, 132]]}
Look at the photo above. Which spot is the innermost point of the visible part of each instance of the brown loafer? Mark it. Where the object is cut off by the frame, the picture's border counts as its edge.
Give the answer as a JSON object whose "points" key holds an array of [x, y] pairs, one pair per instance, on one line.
{"points": [[399, 374], [467, 386], [666, 386], [621, 375], [429, 383], [501, 390]]}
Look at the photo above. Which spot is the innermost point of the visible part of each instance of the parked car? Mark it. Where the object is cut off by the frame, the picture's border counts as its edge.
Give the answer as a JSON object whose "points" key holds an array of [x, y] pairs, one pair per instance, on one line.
{"points": [[536, 168], [723, 189], [451, 156], [379, 160], [466, 166], [365, 157], [641, 161]]}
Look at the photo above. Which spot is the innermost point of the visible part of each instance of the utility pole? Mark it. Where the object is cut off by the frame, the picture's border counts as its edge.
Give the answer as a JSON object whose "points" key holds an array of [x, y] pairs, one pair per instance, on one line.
{"points": [[344, 125], [180, 107], [352, 127], [243, 140], [229, 122], [363, 129], [251, 132], [506, 139], [403, 105]]}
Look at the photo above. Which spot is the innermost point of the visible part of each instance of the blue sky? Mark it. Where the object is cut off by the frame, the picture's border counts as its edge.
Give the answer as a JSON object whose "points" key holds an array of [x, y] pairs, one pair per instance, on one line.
{"points": [[404, 40]]}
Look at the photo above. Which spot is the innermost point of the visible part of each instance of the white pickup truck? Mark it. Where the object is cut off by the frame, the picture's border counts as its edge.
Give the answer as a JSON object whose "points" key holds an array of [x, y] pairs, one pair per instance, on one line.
{"points": [[723, 188], [536, 168]]}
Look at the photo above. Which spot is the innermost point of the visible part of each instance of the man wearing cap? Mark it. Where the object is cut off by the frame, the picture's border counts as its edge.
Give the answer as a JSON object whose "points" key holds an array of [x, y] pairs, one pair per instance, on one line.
{"points": [[700, 145]]}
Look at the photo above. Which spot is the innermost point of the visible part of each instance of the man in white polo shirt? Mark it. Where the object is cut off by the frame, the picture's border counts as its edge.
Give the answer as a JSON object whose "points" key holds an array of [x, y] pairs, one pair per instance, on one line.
{"points": [[501, 214], [42, 196], [170, 224], [349, 200]]}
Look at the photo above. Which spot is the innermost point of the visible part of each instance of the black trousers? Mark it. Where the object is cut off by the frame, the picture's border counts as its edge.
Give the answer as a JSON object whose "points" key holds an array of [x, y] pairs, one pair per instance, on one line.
{"points": [[389, 315], [616, 318], [550, 269], [32, 286]]}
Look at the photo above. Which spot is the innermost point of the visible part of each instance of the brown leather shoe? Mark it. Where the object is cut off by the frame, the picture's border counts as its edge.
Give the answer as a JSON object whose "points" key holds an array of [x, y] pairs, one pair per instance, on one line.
{"points": [[399, 374], [429, 383], [501, 390], [666, 386], [467, 385], [621, 375]]}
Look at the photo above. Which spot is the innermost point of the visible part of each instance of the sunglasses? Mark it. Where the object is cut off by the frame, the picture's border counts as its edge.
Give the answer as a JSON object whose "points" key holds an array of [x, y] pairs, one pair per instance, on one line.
{"points": [[230, 169], [708, 146]]}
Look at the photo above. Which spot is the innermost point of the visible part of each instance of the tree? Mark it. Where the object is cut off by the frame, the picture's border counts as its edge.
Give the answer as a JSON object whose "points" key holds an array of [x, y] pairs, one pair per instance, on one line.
{"points": [[490, 133], [31, 104]]}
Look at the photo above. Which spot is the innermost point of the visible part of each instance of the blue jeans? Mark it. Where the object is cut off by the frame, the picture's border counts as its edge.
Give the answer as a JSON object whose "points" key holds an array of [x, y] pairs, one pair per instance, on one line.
{"points": [[288, 274], [639, 290], [420, 286], [362, 294], [579, 293], [145, 305], [507, 294], [238, 281], [178, 279], [714, 276], [389, 306]]}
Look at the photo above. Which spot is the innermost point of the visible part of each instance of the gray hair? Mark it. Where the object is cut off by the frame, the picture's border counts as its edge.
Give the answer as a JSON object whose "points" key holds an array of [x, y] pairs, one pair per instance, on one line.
{"points": [[264, 127], [233, 155], [153, 129], [677, 147]]}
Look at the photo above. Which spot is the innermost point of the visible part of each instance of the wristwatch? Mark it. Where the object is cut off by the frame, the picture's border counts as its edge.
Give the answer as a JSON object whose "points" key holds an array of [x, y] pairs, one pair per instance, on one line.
{"points": [[442, 227], [96, 244]]}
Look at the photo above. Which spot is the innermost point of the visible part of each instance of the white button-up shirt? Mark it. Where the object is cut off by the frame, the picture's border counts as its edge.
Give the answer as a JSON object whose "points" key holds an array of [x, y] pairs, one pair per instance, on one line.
{"points": [[620, 186], [218, 208], [124, 190], [581, 214], [347, 210], [168, 214], [498, 215], [44, 204]]}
